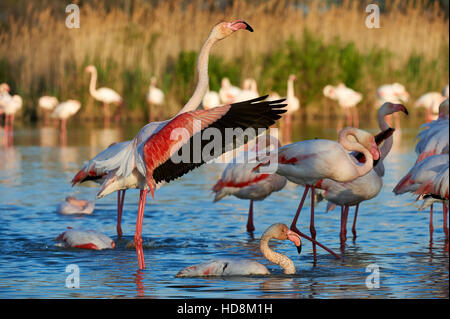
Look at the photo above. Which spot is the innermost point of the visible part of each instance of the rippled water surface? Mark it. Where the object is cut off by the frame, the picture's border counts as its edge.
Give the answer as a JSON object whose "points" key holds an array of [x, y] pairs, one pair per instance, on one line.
{"points": [[182, 227]]}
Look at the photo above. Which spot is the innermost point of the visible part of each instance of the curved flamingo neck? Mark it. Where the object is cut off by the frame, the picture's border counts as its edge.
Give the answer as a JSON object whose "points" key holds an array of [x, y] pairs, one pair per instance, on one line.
{"points": [[387, 145], [277, 258], [290, 88], [203, 80], [356, 146], [93, 82]]}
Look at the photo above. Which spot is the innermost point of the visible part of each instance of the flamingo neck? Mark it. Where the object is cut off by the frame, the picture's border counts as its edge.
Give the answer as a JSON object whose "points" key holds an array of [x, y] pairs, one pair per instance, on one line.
{"points": [[92, 84], [350, 145], [277, 258], [290, 88], [203, 80], [387, 145]]}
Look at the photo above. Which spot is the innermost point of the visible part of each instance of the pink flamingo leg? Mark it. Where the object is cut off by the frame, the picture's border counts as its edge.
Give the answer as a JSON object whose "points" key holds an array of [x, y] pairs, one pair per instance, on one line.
{"points": [[341, 233], [431, 224], [294, 221], [250, 226], [138, 233], [120, 200], [312, 229], [445, 209], [354, 222]]}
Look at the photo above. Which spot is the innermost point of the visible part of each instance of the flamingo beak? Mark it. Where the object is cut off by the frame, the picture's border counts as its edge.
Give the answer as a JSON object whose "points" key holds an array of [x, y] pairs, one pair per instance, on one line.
{"points": [[400, 107], [295, 238], [240, 24]]}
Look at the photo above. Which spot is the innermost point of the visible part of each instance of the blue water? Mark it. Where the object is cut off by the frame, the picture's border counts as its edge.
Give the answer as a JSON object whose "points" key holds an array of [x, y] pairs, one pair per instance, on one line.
{"points": [[183, 227]]}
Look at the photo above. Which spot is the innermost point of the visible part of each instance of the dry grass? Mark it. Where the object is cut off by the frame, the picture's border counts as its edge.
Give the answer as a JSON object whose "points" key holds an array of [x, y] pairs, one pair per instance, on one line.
{"points": [[39, 55]]}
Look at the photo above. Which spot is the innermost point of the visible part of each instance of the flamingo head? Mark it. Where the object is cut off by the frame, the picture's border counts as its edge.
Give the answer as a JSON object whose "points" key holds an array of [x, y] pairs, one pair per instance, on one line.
{"points": [[329, 91], [4, 87], [225, 29], [282, 232], [292, 77], [225, 83], [389, 108], [90, 68]]}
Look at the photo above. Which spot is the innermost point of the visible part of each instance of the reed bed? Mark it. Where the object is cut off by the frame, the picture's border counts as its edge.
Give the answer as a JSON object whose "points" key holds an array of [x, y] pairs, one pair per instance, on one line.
{"points": [[320, 43]]}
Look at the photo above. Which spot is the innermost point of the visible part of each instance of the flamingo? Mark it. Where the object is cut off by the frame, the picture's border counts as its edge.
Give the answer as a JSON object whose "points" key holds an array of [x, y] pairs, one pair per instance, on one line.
{"points": [[4, 96], [104, 95], [435, 138], [210, 100], [85, 239], [240, 179], [10, 105], [249, 91], [47, 104], [154, 97], [246, 267], [147, 160], [62, 112], [307, 162], [394, 93], [365, 187], [228, 92], [293, 104], [430, 101], [96, 170], [73, 206], [428, 178], [347, 99]]}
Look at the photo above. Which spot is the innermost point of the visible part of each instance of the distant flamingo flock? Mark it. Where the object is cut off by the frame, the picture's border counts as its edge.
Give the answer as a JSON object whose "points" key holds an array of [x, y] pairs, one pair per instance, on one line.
{"points": [[345, 171]]}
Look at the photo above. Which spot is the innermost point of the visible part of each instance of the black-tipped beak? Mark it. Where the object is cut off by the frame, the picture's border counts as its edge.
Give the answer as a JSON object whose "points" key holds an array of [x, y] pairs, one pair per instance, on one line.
{"points": [[406, 111], [299, 249], [247, 26], [375, 162]]}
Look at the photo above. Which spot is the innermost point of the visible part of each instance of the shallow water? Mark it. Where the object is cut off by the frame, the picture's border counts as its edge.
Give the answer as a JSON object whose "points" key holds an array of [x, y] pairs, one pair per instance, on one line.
{"points": [[183, 227]]}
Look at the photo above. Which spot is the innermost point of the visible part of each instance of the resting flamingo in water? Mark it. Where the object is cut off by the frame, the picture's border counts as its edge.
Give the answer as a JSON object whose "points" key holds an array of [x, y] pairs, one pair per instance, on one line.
{"points": [[105, 95], [246, 267], [365, 187], [347, 99], [155, 96], [307, 162], [228, 92], [96, 169], [64, 111], [423, 178], [240, 179], [85, 239], [394, 93], [47, 104], [430, 101], [147, 160]]}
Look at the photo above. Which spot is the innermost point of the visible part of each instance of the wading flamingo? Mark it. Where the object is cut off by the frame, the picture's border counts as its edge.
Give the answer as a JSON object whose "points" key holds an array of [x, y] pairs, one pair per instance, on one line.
{"points": [[97, 168], [62, 112], [47, 104], [347, 99], [246, 267], [394, 93], [430, 101], [241, 180], [147, 160], [4, 96], [10, 106], [228, 92], [155, 96], [105, 95], [307, 162], [365, 187]]}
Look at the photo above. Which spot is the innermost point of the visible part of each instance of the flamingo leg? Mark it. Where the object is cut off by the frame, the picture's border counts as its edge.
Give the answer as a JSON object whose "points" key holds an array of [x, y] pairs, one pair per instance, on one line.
{"points": [[150, 113], [348, 116], [138, 233], [354, 222], [355, 117], [312, 229], [294, 221], [106, 114], [120, 200], [431, 224], [250, 225], [341, 233], [445, 209]]}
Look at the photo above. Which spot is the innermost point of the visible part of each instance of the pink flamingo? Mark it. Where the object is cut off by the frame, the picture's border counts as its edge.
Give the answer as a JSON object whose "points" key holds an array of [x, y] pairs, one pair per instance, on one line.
{"points": [[347, 99], [430, 101], [429, 179], [98, 167], [241, 180], [365, 187], [394, 93], [155, 96], [4, 96], [147, 159], [104, 94], [64, 111], [85, 239], [307, 162], [246, 267], [47, 104]]}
